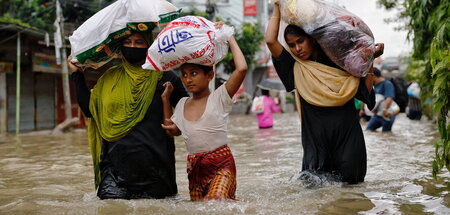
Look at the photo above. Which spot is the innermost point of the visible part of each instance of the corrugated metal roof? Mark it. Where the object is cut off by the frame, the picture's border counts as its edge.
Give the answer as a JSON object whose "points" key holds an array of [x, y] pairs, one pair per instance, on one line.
{"points": [[5, 26]]}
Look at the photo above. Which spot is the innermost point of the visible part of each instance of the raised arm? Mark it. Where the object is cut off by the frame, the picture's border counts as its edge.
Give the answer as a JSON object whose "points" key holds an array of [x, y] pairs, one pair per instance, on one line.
{"points": [[368, 81], [379, 50], [238, 75], [275, 47]]}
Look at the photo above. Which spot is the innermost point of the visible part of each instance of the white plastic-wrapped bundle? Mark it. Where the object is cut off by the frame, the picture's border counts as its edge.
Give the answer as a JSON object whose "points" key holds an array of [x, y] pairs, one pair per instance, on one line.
{"points": [[188, 39], [344, 37], [98, 39]]}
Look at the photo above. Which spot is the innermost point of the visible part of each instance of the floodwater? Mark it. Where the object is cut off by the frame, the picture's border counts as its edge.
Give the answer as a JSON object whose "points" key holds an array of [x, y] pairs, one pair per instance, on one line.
{"points": [[52, 174]]}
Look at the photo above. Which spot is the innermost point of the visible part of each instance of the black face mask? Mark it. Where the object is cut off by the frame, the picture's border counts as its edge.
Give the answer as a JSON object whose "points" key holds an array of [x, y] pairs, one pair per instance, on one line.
{"points": [[134, 55]]}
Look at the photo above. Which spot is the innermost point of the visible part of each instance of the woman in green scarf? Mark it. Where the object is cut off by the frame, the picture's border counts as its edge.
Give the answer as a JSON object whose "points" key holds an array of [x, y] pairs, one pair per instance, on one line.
{"points": [[132, 155]]}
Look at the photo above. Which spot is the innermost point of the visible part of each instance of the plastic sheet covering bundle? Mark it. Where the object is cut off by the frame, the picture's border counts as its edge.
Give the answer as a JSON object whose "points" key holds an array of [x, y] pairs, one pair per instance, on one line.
{"points": [[97, 40], [344, 37]]}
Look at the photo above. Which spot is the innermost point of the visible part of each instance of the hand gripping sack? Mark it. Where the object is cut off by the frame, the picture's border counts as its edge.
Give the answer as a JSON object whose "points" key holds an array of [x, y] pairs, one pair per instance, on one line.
{"points": [[393, 109], [188, 39], [344, 37], [258, 105]]}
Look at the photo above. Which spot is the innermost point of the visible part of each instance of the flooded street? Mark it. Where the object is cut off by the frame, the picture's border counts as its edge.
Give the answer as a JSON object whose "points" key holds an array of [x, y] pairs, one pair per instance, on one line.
{"points": [[52, 174]]}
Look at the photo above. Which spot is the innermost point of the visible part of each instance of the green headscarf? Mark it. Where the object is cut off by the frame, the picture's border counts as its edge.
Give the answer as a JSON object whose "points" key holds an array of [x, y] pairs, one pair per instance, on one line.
{"points": [[119, 100]]}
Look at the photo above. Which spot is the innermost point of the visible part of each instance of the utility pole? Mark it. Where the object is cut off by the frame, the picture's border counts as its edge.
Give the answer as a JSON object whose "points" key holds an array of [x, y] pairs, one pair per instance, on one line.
{"points": [[210, 9], [65, 72], [210, 13], [18, 84]]}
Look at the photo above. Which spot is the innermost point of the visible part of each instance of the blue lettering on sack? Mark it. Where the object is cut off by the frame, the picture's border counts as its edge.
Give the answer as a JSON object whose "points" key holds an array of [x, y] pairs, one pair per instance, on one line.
{"points": [[169, 41]]}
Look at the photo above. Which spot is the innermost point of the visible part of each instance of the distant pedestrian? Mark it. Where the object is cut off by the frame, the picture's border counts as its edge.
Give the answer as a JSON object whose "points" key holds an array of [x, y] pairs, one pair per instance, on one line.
{"points": [[414, 109], [265, 119], [383, 89], [361, 110]]}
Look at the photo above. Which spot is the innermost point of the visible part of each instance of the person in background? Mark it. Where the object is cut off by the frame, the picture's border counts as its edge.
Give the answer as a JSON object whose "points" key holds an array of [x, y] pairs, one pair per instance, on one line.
{"points": [[357, 105], [133, 157], [265, 119], [363, 114], [414, 108], [385, 88]]}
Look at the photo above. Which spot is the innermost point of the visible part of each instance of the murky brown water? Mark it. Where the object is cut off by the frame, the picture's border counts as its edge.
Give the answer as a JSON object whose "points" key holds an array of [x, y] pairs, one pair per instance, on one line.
{"points": [[48, 174]]}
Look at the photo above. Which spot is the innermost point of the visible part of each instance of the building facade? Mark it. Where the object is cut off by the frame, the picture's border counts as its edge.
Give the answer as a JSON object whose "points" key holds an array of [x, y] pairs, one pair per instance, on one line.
{"points": [[40, 97]]}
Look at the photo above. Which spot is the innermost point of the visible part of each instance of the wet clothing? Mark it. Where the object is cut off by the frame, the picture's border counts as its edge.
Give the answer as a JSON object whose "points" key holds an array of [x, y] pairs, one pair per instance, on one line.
{"points": [[210, 131], [212, 175], [332, 137], [117, 103], [142, 163], [265, 119], [414, 108], [387, 89], [376, 122], [211, 167]]}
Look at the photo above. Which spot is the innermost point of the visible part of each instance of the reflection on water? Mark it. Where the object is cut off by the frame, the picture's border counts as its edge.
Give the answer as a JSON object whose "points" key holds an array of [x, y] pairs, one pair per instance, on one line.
{"points": [[48, 174]]}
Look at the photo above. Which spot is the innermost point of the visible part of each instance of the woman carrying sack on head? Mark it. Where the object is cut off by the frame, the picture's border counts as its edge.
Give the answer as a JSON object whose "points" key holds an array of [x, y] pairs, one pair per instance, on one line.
{"points": [[133, 156], [332, 138]]}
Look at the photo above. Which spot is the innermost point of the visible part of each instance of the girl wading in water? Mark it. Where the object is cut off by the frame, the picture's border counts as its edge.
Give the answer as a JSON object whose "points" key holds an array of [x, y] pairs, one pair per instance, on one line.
{"points": [[202, 121]]}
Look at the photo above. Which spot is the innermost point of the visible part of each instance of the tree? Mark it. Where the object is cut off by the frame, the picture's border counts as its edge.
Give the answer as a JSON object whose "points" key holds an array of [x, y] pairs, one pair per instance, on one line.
{"points": [[41, 13], [78, 11], [428, 25], [249, 38], [35, 13]]}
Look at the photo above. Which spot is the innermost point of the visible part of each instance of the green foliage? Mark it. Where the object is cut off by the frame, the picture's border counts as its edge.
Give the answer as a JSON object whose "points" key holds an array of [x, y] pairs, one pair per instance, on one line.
{"points": [[7, 18], [193, 12], [428, 24], [33, 13], [41, 14], [440, 63], [388, 4], [249, 38], [78, 11]]}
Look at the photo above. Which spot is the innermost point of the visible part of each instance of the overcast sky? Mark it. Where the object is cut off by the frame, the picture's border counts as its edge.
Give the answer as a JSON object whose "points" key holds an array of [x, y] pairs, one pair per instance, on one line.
{"points": [[395, 42]]}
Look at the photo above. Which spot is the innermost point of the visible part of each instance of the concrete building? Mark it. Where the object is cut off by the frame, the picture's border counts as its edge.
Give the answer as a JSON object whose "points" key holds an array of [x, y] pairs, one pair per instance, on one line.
{"points": [[40, 98]]}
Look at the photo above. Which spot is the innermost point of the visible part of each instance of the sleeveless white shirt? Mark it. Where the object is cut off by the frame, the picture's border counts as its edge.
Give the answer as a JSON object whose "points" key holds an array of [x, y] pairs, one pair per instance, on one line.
{"points": [[210, 131]]}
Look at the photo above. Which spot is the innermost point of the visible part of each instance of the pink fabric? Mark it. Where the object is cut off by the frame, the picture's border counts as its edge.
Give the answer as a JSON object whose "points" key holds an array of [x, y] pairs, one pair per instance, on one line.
{"points": [[265, 119]]}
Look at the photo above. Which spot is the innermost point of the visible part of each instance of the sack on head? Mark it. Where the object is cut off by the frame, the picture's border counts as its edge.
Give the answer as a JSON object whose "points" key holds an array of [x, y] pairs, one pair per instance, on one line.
{"points": [[343, 36], [188, 39]]}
